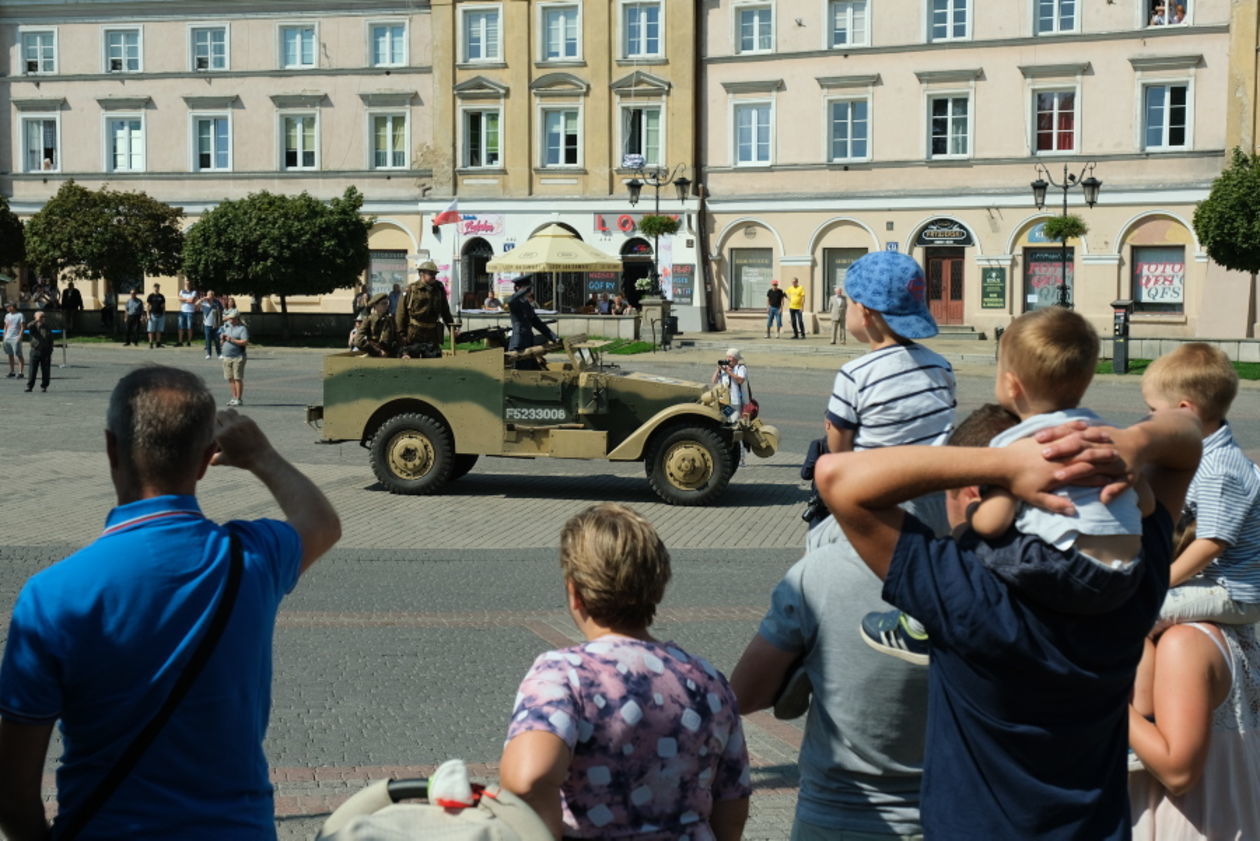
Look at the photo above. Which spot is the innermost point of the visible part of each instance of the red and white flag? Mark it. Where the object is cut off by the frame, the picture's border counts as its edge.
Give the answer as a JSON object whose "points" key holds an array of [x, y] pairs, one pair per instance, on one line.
{"points": [[450, 215]]}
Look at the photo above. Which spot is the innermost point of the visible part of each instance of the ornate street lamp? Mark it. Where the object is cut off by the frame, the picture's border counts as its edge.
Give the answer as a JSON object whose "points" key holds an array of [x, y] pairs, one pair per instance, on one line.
{"points": [[656, 178], [1089, 185]]}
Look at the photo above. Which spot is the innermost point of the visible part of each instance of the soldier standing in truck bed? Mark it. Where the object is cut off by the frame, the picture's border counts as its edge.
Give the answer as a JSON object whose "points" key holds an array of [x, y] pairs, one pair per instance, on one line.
{"points": [[378, 336], [423, 309]]}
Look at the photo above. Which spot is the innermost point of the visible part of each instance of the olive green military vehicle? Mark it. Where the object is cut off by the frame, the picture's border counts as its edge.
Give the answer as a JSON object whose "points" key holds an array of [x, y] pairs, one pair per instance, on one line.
{"points": [[426, 421]]}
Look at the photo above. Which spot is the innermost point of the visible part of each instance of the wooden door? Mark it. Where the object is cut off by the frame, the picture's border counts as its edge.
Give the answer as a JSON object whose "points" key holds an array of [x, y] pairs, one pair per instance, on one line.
{"points": [[945, 285]]}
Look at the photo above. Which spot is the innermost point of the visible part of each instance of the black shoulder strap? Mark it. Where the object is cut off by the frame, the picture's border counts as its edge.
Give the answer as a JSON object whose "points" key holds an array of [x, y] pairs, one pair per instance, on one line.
{"points": [[74, 824]]}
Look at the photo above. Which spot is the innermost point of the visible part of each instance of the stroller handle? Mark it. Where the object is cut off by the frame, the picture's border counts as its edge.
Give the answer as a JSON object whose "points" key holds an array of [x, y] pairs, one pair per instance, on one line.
{"points": [[412, 789]]}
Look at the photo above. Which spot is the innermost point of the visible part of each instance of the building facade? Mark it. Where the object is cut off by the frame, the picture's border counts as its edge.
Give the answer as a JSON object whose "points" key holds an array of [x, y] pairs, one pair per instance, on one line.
{"points": [[540, 107], [835, 128], [196, 102]]}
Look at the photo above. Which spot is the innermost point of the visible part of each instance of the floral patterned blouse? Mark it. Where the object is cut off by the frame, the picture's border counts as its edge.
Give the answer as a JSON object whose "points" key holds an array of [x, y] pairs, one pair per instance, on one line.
{"points": [[655, 735]]}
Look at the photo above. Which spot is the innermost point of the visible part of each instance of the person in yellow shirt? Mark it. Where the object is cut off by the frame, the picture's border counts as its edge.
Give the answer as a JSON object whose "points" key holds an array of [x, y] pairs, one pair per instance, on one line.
{"points": [[796, 306]]}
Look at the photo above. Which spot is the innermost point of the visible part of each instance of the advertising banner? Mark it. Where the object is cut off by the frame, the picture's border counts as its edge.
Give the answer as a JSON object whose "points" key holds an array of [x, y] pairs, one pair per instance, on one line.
{"points": [[1160, 283]]}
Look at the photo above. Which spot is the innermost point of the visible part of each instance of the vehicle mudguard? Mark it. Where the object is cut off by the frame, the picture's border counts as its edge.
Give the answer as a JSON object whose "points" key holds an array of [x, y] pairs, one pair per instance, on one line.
{"points": [[762, 438], [631, 449]]}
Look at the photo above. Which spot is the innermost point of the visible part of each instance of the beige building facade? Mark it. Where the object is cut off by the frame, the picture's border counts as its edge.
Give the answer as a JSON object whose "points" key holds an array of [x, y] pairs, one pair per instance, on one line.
{"points": [[540, 108], [196, 102], [832, 129]]}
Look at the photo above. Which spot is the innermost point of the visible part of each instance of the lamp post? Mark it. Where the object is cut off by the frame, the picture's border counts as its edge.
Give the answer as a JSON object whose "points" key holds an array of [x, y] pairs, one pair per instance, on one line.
{"points": [[656, 178], [1089, 185]]}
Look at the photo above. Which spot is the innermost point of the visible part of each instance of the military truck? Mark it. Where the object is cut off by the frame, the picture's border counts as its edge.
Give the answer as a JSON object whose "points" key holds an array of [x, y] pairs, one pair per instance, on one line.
{"points": [[425, 422]]}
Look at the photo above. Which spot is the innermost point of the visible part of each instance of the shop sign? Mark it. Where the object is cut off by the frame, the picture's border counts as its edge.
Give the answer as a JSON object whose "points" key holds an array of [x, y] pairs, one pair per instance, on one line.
{"points": [[482, 225], [1043, 270], [1038, 233], [627, 223], [892, 246], [944, 232], [993, 288], [603, 283], [1162, 283], [683, 282]]}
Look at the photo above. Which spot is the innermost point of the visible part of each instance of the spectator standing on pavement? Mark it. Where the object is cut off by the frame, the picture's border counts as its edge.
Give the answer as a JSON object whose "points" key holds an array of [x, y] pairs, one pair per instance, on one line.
{"points": [[394, 295], [774, 308], [733, 373], [109, 306], [71, 306], [41, 351], [157, 316], [188, 298], [98, 640], [796, 306], [211, 321], [134, 316], [235, 337], [839, 310], [14, 324], [624, 735], [358, 305]]}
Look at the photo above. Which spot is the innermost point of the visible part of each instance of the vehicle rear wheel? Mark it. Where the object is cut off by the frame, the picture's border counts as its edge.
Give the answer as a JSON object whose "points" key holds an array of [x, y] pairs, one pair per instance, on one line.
{"points": [[462, 464], [689, 465], [412, 454]]}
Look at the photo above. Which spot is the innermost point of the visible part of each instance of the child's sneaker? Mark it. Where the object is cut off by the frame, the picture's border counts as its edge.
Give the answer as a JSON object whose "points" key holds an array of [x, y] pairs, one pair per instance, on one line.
{"points": [[888, 633]]}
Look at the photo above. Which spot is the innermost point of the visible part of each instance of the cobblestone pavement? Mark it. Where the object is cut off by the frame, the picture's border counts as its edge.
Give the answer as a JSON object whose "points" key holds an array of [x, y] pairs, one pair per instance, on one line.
{"points": [[403, 647]]}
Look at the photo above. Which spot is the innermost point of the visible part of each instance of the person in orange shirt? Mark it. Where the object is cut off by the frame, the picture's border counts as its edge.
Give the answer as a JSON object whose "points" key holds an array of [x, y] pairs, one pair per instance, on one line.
{"points": [[796, 306]]}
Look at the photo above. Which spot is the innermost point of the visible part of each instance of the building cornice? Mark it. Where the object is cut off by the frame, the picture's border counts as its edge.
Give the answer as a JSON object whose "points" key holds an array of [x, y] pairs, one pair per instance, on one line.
{"points": [[304, 99], [1166, 62], [931, 77], [47, 103], [388, 99], [766, 86], [1046, 71], [203, 75], [124, 103], [81, 11], [196, 103], [559, 84], [829, 83], [479, 87]]}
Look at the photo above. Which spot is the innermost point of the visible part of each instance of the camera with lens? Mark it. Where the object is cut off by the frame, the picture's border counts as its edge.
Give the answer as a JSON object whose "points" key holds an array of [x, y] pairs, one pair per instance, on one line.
{"points": [[722, 363]]}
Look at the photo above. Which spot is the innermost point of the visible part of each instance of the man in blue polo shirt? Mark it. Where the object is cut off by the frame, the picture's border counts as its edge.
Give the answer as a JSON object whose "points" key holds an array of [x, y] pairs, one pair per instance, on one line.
{"points": [[97, 641], [1034, 649]]}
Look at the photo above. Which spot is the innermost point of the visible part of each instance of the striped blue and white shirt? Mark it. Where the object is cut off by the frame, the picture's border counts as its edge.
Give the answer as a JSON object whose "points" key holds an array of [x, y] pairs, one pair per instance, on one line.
{"points": [[1224, 498], [896, 395]]}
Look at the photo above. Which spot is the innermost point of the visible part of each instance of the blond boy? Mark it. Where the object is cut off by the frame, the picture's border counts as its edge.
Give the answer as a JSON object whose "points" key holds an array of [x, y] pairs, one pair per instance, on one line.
{"points": [[1217, 576]]}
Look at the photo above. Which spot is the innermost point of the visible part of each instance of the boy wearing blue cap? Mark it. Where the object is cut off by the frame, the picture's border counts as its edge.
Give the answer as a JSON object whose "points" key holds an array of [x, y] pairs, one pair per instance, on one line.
{"points": [[900, 392]]}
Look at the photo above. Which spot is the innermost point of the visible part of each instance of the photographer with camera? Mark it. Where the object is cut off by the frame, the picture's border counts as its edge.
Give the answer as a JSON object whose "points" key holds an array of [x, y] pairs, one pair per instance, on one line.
{"points": [[733, 373]]}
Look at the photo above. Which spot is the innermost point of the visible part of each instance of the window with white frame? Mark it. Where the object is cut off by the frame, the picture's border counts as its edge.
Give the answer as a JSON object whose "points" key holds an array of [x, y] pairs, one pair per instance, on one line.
{"points": [[752, 133], [297, 46], [41, 144], [754, 29], [849, 129], [949, 126], [389, 141], [124, 137], [39, 52], [947, 19], [209, 48], [1054, 121], [481, 35], [212, 142], [641, 30], [848, 23], [1159, 278], [299, 133], [562, 137], [389, 44], [122, 50], [641, 133], [559, 33], [1167, 12], [1165, 114], [482, 140], [1056, 16]]}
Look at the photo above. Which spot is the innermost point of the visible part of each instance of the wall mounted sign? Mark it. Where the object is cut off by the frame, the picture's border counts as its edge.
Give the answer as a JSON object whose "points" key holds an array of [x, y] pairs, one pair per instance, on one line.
{"points": [[993, 288], [481, 225], [683, 280], [943, 232]]}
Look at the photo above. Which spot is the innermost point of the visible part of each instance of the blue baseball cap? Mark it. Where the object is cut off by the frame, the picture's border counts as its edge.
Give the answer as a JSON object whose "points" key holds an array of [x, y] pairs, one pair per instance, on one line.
{"points": [[893, 285]]}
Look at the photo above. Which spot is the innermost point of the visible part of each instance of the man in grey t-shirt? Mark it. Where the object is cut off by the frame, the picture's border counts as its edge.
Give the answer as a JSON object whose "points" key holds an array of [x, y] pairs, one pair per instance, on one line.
{"points": [[862, 755], [235, 336]]}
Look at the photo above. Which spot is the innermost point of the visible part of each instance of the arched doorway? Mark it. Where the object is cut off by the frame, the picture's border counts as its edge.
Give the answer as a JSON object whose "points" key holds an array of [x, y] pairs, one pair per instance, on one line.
{"points": [[472, 269], [636, 263]]}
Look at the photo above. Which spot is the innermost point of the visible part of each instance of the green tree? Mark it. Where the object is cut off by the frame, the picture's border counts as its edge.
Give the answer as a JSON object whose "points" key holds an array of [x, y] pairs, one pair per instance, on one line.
{"points": [[110, 234], [1227, 222], [12, 237], [268, 244]]}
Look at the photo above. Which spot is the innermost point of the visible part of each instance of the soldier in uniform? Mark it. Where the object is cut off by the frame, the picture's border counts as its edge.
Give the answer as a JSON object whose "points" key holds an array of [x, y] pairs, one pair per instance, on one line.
{"points": [[423, 309], [378, 336], [525, 321]]}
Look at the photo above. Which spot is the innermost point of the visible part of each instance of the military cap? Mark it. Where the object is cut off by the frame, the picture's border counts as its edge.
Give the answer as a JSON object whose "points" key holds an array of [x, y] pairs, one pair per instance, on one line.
{"points": [[377, 298]]}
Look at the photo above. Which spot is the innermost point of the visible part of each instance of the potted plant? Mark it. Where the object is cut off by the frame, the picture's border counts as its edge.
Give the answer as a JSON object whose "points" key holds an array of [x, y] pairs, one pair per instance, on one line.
{"points": [[648, 287], [655, 225], [1064, 228]]}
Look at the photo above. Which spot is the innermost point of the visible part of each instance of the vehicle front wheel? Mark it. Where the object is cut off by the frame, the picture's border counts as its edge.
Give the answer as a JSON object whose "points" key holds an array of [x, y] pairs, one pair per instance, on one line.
{"points": [[412, 454], [689, 465]]}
